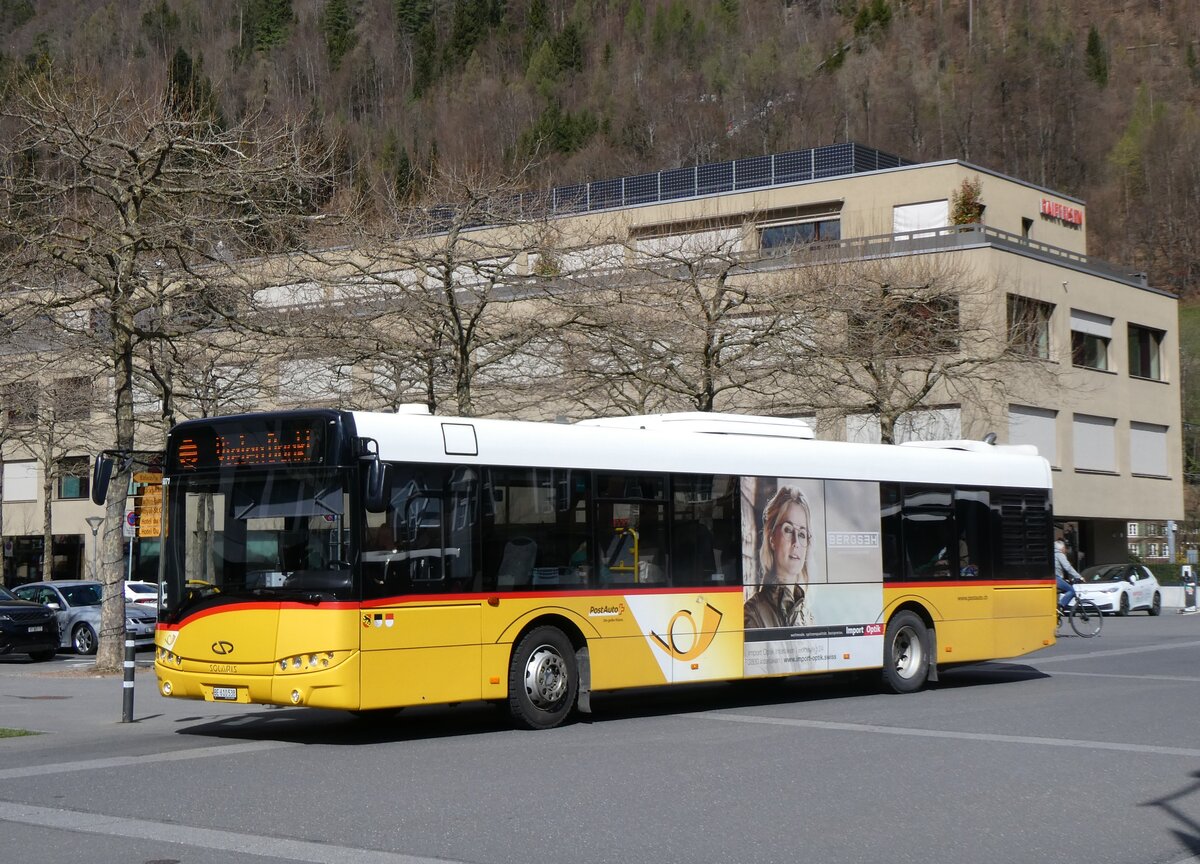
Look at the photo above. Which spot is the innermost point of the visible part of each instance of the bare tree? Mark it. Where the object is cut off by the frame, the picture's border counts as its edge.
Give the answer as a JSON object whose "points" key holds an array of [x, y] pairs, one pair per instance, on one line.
{"points": [[888, 335], [687, 322], [435, 297], [123, 210]]}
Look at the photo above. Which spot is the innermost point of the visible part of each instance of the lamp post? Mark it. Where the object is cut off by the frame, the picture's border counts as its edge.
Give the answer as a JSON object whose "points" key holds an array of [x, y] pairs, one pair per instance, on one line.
{"points": [[94, 523]]}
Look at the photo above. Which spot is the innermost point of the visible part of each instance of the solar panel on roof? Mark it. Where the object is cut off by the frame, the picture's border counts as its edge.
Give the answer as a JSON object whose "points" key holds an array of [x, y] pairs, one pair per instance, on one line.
{"points": [[714, 178], [792, 167], [641, 189], [752, 173], [678, 183]]}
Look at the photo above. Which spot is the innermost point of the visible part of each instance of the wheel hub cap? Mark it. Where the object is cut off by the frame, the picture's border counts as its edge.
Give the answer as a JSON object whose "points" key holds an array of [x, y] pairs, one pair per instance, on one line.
{"points": [[545, 677]]}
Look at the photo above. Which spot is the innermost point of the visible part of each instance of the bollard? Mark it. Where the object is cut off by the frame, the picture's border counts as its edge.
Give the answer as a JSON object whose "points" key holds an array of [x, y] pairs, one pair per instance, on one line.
{"points": [[1189, 589], [127, 700]]}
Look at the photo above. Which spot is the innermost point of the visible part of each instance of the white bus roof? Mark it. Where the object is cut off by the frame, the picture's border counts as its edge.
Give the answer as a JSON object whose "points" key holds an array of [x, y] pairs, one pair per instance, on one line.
{"points": [[625, 444]]}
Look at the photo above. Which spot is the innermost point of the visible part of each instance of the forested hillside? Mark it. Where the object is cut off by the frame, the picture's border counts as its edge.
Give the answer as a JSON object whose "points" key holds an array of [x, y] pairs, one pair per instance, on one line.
{"points": [[1096, 99]]}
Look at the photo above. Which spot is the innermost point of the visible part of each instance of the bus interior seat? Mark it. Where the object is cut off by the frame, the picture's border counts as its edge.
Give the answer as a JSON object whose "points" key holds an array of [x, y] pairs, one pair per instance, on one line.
{"points": [[516, 565]]}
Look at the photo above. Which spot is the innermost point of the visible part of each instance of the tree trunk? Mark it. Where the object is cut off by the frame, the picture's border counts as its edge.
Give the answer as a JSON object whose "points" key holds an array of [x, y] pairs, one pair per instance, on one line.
{"points": [[111, 651]]}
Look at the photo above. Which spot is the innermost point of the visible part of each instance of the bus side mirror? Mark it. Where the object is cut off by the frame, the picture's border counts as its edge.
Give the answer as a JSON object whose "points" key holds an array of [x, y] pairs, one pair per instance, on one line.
{"points": [[377, 485], [101, 475], [378, 489]]}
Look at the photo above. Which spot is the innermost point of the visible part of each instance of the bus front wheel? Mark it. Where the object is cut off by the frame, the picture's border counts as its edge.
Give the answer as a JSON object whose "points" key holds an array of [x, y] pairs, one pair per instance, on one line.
{"points": [[543, 679], [906, 653]]}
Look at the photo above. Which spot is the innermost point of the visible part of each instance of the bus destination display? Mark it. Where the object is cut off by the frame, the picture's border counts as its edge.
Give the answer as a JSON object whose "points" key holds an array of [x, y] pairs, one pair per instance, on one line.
{"points": [[283, 444]]}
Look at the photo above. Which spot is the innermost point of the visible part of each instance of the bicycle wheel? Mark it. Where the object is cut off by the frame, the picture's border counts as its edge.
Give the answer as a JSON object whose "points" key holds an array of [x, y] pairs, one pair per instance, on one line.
{"points": [[1086, 618]]}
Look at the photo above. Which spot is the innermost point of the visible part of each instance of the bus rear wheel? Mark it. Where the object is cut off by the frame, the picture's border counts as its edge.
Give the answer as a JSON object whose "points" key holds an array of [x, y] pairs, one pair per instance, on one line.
{"points": [[543, 679], [906, 653]]}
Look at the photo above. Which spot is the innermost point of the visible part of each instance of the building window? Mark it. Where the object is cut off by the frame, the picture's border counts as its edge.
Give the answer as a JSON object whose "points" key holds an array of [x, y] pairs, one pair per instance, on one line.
{"points": [[930, 424], [1135, 551], [1132, 529], [1095, 441], [1090, 337], [916, 219], [20, 405], [904, 323], [1036, 426], [1145, 346], [1029, 326], [1148, 450], [73, 481], [72, 398], [1151, 550], [799, 233], [20, 481]]}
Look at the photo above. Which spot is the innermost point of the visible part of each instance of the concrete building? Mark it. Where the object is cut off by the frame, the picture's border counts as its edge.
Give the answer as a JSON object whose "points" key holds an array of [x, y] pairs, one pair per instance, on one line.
{"points": [[1105, 413]]}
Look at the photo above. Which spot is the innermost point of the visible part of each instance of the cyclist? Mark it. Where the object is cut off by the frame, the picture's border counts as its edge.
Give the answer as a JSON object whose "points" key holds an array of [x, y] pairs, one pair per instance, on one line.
{"points": [[1063, 566]]}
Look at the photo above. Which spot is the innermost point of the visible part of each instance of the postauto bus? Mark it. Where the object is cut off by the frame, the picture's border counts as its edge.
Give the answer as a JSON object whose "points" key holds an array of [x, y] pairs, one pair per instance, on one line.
{"points": [[369, 561]]}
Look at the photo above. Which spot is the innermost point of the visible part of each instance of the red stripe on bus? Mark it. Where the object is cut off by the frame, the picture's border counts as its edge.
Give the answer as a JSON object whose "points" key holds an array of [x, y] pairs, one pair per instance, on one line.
{"points": [[401, 599], [973, 583]]}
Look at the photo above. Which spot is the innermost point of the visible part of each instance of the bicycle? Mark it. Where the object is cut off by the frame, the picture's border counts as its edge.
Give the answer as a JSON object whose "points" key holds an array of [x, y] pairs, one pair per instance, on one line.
{"points": [[1085, 617]]}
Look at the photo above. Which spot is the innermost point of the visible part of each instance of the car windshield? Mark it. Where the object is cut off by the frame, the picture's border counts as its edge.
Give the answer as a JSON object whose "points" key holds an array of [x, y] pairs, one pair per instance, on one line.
{"points": [[1105, 573], [82, 595], [5, 594], [141, 588]]}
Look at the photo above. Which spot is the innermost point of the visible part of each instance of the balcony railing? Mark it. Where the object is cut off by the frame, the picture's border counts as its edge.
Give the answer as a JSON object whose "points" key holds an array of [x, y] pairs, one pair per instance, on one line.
{"points": [[957, 237]]}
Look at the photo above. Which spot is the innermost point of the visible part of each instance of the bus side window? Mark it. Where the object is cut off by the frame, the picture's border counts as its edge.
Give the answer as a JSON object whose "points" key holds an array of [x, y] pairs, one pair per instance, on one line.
{"points": [[889, 518], [534, 529], [703, 530], [972, 521], [425, 541], [631, 529], [930, 545]]}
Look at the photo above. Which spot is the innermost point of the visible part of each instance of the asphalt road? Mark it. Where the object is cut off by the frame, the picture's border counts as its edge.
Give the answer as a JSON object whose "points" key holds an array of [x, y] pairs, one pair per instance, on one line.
{"points": [[1085, 752]]}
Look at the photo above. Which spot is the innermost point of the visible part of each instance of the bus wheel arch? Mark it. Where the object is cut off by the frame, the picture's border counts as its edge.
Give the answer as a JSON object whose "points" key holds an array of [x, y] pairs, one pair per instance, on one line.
{"points": [[909, 649], [548, 673]]}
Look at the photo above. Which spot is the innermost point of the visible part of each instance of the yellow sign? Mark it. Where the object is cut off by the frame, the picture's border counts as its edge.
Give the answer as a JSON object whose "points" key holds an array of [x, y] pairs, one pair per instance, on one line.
{"points": [[149, 510]]}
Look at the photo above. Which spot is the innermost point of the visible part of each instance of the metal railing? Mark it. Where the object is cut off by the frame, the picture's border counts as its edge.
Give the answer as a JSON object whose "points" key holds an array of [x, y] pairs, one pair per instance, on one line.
{"points": [[956, 237]]}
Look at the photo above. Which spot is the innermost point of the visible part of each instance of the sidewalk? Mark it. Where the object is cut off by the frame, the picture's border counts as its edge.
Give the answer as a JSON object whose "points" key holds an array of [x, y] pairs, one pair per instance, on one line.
{"points": [[65, 697]]}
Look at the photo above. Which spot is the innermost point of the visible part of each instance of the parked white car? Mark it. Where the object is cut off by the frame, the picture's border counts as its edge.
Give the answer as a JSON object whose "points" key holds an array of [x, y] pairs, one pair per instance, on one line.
{"points": [[1121, 588], [145, 593]]}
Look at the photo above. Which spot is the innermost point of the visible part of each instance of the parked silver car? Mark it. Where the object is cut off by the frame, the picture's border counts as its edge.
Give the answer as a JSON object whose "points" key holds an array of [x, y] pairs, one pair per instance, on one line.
{"points": [[76, 603]]}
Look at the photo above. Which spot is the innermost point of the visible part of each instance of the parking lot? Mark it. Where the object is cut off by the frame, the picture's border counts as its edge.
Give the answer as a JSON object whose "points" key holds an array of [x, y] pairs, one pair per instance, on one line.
{"points": [[1088, 751]]}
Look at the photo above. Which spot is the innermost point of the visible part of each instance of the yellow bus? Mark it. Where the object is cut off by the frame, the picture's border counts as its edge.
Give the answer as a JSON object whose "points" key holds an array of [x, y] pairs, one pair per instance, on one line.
{"points": [[370, 561]]}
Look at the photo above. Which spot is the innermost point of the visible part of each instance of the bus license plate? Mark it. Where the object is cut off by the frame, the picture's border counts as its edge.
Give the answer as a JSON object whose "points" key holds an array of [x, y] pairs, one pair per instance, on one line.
{"points": [[228, 694]]}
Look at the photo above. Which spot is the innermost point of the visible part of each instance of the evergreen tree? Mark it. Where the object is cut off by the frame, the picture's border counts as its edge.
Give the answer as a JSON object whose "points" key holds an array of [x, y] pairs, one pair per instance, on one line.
{"points": [[337, 25], [265, 24], [412, 15], [1096, 62], [568, 49], [425, 50]]}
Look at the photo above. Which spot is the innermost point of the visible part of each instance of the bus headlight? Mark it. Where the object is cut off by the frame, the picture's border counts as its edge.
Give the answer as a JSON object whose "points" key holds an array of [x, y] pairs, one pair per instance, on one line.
{"points": [[295, 697], [167, 688]]}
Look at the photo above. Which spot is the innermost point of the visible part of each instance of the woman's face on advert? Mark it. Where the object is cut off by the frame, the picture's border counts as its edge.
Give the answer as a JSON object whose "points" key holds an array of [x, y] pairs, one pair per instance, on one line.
{"points": [[789, 543]]}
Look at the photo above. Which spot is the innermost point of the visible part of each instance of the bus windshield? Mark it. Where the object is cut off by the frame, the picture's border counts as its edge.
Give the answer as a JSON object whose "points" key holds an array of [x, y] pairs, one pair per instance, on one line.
{"points": [[279, 533]]}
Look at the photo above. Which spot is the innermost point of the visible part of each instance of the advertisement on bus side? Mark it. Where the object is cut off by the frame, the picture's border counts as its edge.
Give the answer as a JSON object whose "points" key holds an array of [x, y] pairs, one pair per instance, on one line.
{"points": [[812, 561]]}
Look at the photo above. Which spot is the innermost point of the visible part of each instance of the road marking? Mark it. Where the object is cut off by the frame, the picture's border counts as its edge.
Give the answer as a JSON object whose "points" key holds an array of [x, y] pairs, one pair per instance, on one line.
{"points": [[830, 725], [204, 838], [124, 761], [1184, 678], [1035, 660]]}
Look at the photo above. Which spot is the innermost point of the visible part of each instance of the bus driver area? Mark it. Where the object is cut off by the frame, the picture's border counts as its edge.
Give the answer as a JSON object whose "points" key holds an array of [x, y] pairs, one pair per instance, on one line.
{"points": [[368, 561]]}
